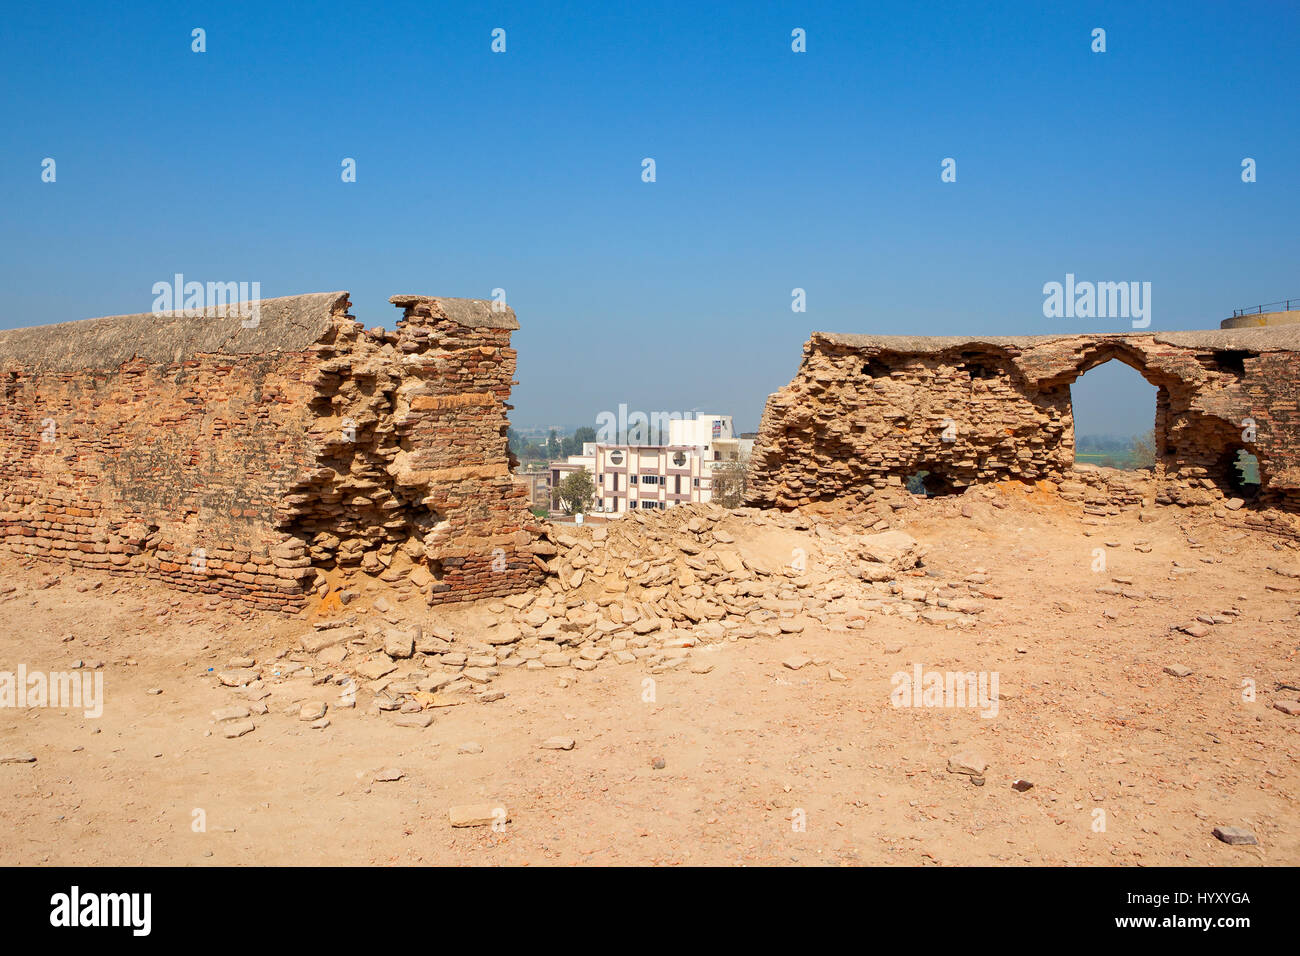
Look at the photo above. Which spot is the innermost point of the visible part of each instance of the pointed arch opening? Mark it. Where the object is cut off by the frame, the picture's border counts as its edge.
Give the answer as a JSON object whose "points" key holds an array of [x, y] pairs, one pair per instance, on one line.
{"points": [[1118, 413]]}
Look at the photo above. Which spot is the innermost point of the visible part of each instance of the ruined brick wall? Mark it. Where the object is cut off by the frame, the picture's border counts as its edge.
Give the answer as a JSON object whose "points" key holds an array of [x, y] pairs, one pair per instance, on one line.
{"points": [[413, 480], [867, 412], [265, 462]]}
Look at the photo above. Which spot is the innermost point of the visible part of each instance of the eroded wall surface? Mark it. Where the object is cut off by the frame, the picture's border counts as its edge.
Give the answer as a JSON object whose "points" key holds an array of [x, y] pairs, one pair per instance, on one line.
{"points": [[264, 462], [868, 412]]}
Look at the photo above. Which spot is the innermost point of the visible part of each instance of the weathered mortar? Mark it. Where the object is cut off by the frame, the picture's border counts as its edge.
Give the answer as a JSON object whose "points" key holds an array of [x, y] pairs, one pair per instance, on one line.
{"points": [[250, 461], [867, 412]]}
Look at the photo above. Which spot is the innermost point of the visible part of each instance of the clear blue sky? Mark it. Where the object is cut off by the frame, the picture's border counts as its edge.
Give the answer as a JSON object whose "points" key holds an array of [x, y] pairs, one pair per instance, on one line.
{"points": [[775, 170]]}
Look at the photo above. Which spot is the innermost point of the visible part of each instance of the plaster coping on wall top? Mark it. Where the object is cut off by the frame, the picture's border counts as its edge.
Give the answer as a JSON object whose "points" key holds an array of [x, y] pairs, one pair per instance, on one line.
{"points": [[285, 324], [1281, 338], [290, 323], [471, 313]]}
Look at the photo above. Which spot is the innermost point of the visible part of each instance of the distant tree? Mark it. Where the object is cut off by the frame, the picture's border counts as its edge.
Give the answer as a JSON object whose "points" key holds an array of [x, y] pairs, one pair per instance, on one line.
{"points": [[1143, 450], [554, 448], [576, 491], [573, 444], [730, 482], [1109, 451], [1248, 467]]}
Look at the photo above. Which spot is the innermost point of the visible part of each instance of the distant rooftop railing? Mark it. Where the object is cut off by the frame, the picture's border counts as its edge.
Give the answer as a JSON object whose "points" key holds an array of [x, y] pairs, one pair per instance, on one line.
{"points": [[1267, 307]]}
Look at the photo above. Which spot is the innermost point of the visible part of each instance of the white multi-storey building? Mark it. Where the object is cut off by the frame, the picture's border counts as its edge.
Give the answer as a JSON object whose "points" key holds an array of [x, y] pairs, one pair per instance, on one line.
{"points": [[630, 477]]}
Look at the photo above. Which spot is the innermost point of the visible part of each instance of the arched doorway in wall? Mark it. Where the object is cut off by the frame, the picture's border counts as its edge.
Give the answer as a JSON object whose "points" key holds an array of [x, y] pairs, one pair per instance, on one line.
{"points": [[1117, 416], [1237, 472], [929, 480]]}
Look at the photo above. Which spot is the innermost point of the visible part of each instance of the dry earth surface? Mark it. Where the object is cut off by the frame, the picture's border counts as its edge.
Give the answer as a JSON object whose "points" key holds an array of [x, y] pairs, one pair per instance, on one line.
{"points": [[720, 753]]}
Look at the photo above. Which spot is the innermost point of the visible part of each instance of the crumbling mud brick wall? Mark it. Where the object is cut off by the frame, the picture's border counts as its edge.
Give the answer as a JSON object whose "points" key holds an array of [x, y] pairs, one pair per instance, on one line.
{"points": [[413, 477], [265, 460], [868, 412]]}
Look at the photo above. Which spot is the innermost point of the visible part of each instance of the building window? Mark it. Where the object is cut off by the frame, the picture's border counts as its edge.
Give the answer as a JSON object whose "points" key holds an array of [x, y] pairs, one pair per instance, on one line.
{"points": [[631, 479], [697, 482]]}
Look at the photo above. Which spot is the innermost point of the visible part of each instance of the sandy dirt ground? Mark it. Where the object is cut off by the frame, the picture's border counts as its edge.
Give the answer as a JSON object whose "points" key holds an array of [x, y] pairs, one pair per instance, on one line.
{"points": [[762, 764]]}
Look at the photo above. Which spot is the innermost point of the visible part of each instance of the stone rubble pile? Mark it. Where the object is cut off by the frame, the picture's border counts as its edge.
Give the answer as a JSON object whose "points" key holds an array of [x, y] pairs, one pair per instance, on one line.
{"points": [[647, 588]]}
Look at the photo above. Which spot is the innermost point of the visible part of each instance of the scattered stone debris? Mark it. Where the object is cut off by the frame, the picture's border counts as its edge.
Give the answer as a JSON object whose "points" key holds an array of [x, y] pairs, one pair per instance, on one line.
{"points": [[237, 728], [652, 588], [312, 710], [477, 815], [967, 762], [417, 721], [239, 677], [1235, 836]]}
